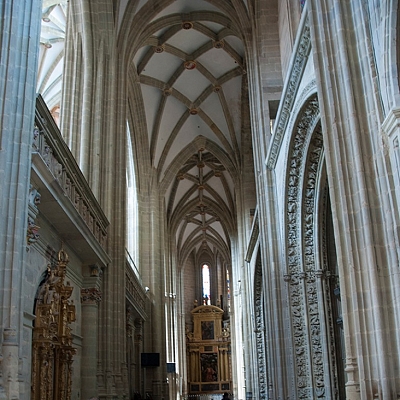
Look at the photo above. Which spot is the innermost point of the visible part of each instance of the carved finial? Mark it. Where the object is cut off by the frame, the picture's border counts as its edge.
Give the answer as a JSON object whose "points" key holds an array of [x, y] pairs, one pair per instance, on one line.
{"points": [[62, 255]]}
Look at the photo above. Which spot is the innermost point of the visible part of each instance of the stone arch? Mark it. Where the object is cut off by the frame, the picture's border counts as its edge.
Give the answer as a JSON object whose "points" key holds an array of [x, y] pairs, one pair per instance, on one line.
{"points": [[392, 54], [260, 330], [309, 300]]}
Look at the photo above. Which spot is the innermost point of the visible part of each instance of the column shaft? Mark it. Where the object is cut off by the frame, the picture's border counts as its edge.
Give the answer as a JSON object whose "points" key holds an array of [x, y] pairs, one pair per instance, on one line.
{"points": [[19, 26]]}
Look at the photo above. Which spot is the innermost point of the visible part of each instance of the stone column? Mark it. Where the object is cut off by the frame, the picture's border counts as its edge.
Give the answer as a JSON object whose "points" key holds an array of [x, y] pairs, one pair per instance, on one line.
{"points": [[351, 111], [90, 298], [94, 104], [20, 30]]}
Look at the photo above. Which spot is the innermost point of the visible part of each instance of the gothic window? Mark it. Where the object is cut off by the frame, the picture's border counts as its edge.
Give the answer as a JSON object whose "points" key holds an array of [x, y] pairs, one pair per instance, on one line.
{"points": [[205, 275], [131, 209]]}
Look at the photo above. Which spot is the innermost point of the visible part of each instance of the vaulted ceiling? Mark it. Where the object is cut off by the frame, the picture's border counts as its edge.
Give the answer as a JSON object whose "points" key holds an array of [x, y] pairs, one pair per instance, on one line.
{"points": [[188, 69], [51, 57], [190, 66]]}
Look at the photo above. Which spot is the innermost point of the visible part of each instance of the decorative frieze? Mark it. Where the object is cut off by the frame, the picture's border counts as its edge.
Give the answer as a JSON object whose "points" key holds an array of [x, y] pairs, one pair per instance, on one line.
{"points": [[90, 295], [300, 246]]}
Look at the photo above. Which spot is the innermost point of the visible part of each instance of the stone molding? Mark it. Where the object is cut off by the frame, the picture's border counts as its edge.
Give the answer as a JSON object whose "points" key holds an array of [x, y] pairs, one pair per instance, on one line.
{"points": [[289, 93]]}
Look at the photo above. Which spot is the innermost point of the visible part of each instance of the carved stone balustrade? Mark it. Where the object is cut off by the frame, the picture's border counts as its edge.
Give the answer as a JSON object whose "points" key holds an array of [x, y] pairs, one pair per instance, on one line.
{"points": [[64, 189], [135, 292]]}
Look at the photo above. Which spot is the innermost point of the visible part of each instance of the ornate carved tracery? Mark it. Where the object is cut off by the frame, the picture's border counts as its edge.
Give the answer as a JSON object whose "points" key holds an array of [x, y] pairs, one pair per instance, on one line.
{"points": [[52, 353], [306, 290]]}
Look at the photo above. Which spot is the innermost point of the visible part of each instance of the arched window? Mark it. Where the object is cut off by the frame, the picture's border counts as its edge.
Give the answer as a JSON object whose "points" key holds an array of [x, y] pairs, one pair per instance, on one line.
{"points": [[131, 205], [205, 274]]}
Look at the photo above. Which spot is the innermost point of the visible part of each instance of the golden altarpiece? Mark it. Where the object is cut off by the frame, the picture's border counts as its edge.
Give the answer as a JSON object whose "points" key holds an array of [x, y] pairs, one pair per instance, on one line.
{"points": [[209, 352], [52, 353]]}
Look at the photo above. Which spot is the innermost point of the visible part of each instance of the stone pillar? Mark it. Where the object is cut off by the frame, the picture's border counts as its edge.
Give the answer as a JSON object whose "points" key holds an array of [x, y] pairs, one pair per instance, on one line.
{"points": [[137, 351], [10, 362], [351, 111], [20, 31], [90, 89], [90, 298]]}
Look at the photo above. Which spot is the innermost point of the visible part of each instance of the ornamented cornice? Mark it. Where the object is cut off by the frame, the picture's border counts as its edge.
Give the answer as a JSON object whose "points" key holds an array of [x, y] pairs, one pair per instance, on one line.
{"points": [[207, 309], [289, 93]]}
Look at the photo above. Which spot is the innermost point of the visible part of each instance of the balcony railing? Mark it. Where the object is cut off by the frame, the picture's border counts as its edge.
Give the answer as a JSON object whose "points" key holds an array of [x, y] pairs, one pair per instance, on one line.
{"points": [[50, 145], [134, 289]]}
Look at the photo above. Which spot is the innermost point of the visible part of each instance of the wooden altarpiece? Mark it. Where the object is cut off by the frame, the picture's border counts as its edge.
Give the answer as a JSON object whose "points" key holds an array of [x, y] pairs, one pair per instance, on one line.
{"points": [[208, 352], [52, 352]]}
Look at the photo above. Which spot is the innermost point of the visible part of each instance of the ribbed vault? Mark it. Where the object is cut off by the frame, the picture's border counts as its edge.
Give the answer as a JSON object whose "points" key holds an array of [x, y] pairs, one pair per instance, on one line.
{"points": [[186, 76], [188, 67]]}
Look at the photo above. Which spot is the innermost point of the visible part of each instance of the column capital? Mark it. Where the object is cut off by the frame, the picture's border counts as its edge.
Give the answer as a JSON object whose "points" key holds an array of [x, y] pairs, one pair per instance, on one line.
{"points": [[90, 296]]}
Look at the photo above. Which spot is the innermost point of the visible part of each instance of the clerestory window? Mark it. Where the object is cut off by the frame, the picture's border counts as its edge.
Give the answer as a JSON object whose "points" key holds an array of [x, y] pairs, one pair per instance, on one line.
{"points": [[206, 284]]}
